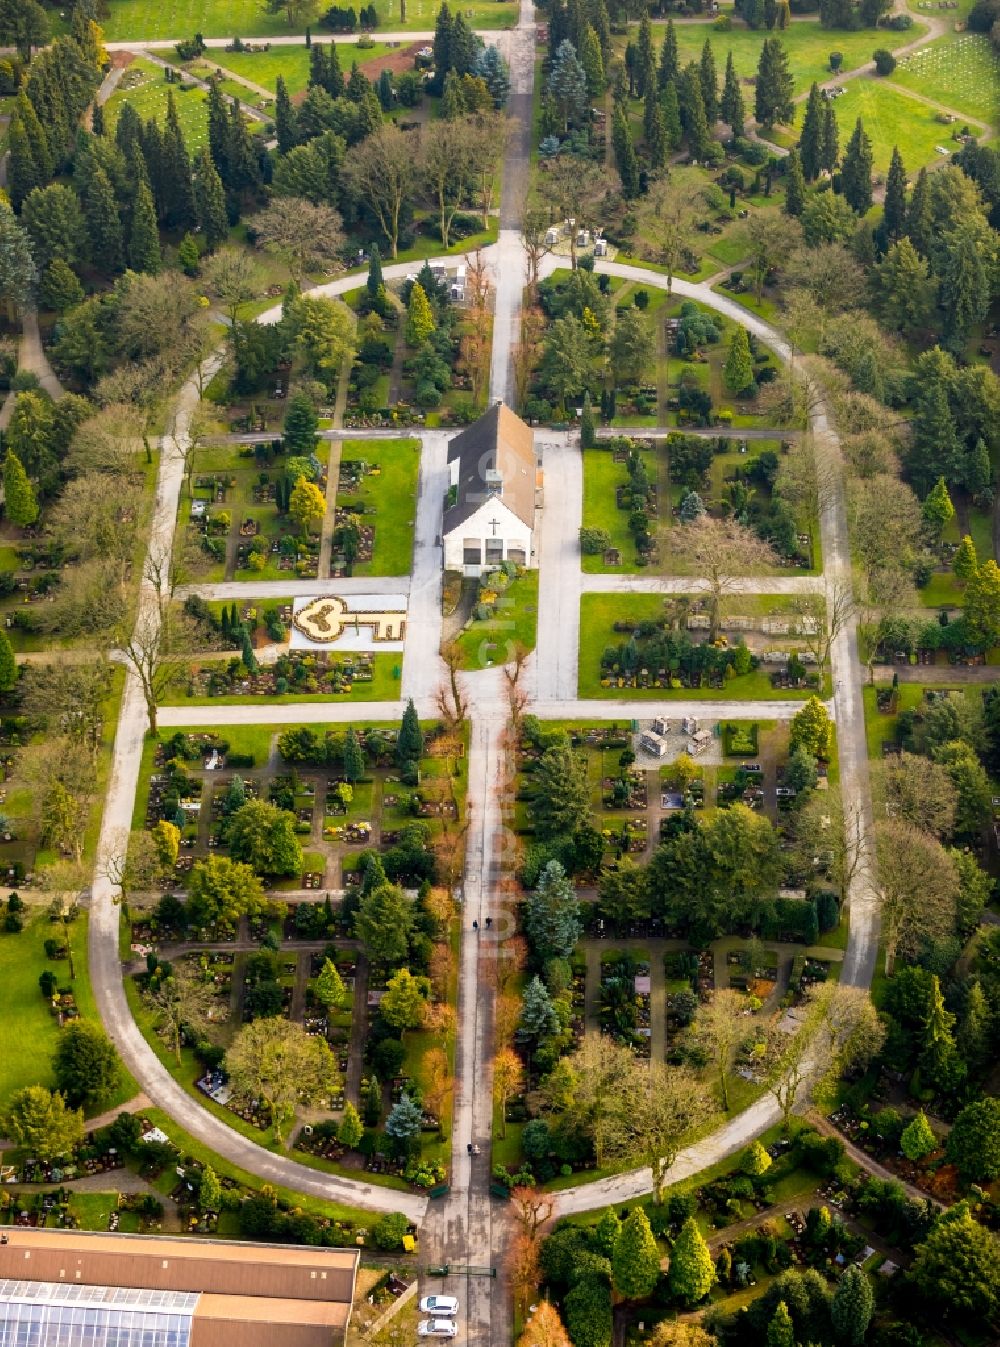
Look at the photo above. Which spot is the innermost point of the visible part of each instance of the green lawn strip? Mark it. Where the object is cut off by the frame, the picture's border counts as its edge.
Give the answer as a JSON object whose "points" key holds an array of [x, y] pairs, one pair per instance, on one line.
{"points": [[190, 1070], [516, 613], [28, 1029], [137, 19], [292, 63], [764, 308], [808, 45], [601, 478], [393, 494], [599, 613], [943, 590], [959, 70]]}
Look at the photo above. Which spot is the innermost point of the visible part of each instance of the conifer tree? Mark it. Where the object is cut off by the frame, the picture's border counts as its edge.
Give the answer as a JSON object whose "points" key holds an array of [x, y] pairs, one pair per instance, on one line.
{"points": [[144, 241], [375, 283], [104, 226], [330, 990], [625, 156], [588, 432], [286, 127], [244, 171], [656, 131], [210, 199], [773, 100], [829, 145], [128, 128], [709, 83], [635, 1263], [218, 132], [852, 1306], [692, 1271], [8, 664], [669, 67], [894, 207], [23, 175], [738, 371], [732, 106], [334, 74], [354, 757], [592, 62], [671, 115], [966, 561], [795, 187], [856, 172], [645, 60], [19, 495], [351, 1130], [178, 190], [410, 743], [419, 316], [811, 139], [97, 119], [38, 145], [781, 1330], [693, 112]]}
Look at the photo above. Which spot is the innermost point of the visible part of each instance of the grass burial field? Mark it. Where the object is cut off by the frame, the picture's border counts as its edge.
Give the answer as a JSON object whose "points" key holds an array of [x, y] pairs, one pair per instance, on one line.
{"points": [[292, 63], [138, 19], [961, 71]]}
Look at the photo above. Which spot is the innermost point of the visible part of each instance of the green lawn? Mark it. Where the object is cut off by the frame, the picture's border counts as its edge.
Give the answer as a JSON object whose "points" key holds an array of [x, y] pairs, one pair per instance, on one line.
{"points": [[137, 19], [149, 98], [891, 117], [291, 63], [599, 613], [28, 1030], [393, 494], [808, 45], [489, 642], [960, 70], [601, 478]]}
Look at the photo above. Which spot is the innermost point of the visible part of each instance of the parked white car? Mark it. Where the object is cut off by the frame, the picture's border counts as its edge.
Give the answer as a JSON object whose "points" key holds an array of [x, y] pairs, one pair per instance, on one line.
{"points": [[446, 1305], [437, 1328]]}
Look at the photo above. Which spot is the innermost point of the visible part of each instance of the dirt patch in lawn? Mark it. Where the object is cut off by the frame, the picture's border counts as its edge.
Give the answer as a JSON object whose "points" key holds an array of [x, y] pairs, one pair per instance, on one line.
{"points": [[396, 62]]}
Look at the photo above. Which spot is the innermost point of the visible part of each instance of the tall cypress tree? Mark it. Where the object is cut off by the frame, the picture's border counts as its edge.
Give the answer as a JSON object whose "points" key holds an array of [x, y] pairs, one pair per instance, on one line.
{"points": [[23, 174], [218, 132], [669, 66], [732, 107], [104, 226], [286, 126], [856, 173], [19, 495], [692, 104], [775, 86], [656, 133], [410, 743], [178, 188], [334, 75], [375, 282], [894, 208], [243, 167], [829, 151], [128, 128], [795, 186], [38, 139], [144, 241], [919, 226], [317, 65], [210, 199], [625, 157], [811, 139], [97, 119], [671, 115], [709, 83], [645, 60], [152, 153], [442, 45]]}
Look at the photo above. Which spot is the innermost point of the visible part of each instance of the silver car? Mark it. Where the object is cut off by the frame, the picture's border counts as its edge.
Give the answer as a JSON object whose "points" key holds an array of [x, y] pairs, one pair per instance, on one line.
{"points": [[446, 1305], [437, 1328]]}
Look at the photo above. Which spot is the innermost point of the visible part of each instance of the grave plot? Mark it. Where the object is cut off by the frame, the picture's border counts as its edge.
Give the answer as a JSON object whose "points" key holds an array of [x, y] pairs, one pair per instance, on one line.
{"points": [[267, 666], [651, 646], [236, 523], [636, 490], [625, 1000], [375, 507]]}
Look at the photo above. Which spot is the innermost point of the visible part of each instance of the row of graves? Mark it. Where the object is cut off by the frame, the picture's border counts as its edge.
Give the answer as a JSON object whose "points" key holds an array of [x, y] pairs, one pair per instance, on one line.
{"points": [[354, 520], [673, 652]]}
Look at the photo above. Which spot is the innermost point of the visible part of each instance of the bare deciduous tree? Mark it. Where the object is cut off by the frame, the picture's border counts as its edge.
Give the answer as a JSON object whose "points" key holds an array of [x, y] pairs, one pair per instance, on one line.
{"points": [[572, 187], [720, 551], [827, 616], [917, 790], [919, 888], [307, 237], [234, 278], [672, 215], [134, 866], [669, 1102], [719, 1028], [382, 170], [183, 1000], [109, 441], [70, 696], [534, 229], [531, 1208]]}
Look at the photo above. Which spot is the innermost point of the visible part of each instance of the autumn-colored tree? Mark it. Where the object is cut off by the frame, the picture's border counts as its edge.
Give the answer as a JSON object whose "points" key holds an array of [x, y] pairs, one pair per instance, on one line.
{"points": [[306, 505], [508, 1079]]}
